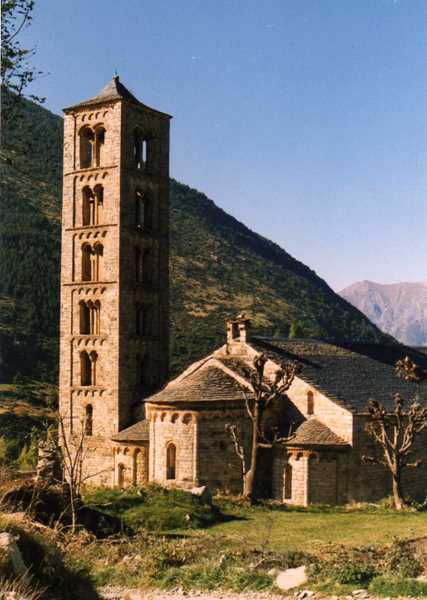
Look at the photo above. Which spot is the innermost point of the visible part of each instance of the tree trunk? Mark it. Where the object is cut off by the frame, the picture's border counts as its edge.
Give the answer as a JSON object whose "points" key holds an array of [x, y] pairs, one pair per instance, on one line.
{"points": [[249, 476], [398, 499]]}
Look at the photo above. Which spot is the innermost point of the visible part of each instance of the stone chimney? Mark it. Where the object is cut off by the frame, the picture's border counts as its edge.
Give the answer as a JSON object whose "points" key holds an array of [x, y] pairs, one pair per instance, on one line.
{"points": [[238, 329]]}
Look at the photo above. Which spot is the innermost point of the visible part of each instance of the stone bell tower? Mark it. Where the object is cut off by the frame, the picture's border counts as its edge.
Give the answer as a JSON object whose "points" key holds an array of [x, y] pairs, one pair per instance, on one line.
{"points": [[114, 334]]}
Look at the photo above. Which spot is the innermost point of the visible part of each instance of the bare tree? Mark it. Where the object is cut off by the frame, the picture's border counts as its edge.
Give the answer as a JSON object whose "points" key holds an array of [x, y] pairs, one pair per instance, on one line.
{"points": [[73, 452], [395, 432], [263, 392]]}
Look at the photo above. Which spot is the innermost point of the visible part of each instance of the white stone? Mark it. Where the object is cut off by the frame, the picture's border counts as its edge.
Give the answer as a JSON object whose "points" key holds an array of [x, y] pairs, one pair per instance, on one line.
{"points": [[291, 578]]}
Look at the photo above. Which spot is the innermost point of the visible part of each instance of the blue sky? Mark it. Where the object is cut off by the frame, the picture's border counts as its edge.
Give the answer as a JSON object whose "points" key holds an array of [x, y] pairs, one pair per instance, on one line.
{"points": [[305, 119]]}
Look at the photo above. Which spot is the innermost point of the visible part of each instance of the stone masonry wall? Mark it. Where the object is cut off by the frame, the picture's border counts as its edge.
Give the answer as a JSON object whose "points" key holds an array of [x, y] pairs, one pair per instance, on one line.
{"points": [[178, 428], [370, 482], [218, 464], [130, 464], [338, 419], [103, 393], [128, 365]]}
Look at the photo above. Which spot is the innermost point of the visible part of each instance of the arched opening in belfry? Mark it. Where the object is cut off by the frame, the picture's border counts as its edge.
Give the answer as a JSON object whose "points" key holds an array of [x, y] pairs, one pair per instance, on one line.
{"points": [[98, 192], [98, 253], [89, 420], [99, 145], [86, 262], [89, 317], [84, 318], [139, 209], [93, 363], [88, 207], [288, 482], [143, 320], [85, 369], [96, 318], [171, 461], [87, 139], [140, 149]]}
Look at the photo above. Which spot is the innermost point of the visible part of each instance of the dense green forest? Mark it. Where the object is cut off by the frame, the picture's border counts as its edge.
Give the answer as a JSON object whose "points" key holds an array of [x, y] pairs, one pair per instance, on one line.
{"points": [[218, 266]]}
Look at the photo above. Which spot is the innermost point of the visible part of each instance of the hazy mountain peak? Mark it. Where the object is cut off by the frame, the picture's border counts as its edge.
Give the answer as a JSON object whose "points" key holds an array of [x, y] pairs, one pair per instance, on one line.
{"points": [[399, 309]]}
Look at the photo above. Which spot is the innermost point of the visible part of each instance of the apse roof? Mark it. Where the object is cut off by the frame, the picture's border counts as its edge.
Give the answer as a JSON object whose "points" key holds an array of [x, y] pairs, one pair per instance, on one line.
{"points": [[135, 433], [314, 433], [208, 383]]}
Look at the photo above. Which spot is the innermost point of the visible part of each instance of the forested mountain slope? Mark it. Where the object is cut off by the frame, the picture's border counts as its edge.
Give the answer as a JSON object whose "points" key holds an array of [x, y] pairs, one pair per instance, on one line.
{"points": [[218, 266]]}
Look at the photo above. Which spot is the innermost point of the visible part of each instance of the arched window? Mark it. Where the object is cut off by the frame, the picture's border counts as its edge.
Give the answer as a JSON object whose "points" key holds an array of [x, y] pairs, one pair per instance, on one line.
{"points": [[310, 403], [86, 262], [84, 318], [140, 149], [139, 209], [98, 253], [90, 317], [143, 371], [98, 191], [288, 482], [88, 207], [85, 369], [89, 420], [99, 145], [147, 266], [93, 360], [96, 318], [121, 475], [86, 147], [144, 320], [171, 461]]}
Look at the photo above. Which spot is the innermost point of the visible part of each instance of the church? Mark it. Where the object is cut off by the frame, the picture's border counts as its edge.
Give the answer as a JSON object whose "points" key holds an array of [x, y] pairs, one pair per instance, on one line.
{"points": [[114, 343]]}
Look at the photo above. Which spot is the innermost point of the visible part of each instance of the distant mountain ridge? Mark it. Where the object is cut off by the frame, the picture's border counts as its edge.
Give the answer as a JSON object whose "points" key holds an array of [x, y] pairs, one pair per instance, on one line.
{"points": [[399, 309]]}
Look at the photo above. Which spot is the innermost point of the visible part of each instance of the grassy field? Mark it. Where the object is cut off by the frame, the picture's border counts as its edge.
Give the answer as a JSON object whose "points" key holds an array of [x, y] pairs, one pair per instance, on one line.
{"points": [[170, 539], [311, 529]]}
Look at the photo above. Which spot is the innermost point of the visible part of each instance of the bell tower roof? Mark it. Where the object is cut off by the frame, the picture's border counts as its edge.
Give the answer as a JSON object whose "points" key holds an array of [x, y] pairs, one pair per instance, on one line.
{"points": [[114, 90]]}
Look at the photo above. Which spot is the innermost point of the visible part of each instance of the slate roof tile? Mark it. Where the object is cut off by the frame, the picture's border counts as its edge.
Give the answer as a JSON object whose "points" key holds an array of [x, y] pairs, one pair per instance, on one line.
{"points": [[207, 384], [135, 433], [349, 374], [314, 433]]}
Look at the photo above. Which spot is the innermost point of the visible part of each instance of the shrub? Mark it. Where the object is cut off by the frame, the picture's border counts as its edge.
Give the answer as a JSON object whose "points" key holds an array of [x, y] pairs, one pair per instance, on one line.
{"points": [[386, 586], [46, 567], [346, 566], [154, 508], [400, 561]]}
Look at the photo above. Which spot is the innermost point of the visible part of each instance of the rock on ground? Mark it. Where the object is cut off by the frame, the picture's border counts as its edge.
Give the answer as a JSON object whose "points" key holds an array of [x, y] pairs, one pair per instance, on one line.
{"points": [[291, 578]]}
